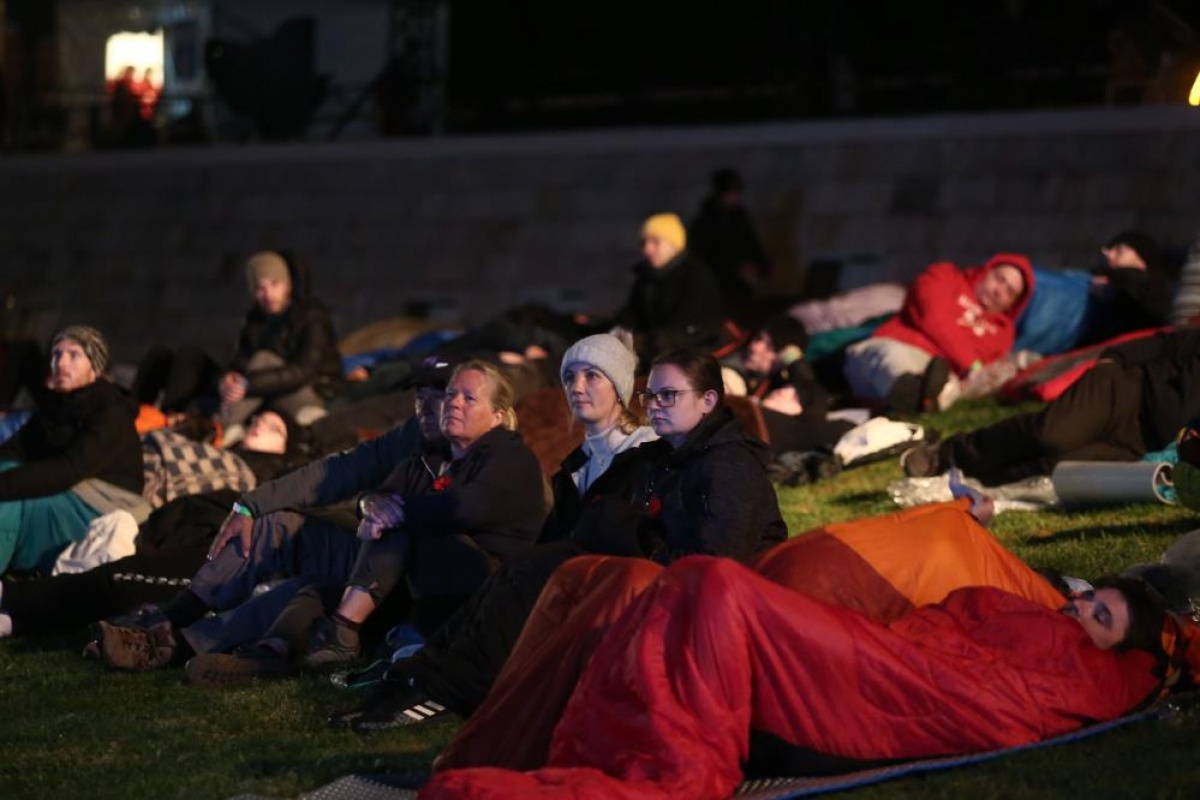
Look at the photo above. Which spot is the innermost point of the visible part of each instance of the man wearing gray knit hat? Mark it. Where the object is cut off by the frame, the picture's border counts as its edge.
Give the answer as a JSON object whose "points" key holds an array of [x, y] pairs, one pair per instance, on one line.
{"points": [[608, 353], [78, 457], [78, 355]]}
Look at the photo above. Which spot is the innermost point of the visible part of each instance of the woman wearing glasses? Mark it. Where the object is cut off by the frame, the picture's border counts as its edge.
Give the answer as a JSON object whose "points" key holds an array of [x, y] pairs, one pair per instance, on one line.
{"points": [[701, 488]]}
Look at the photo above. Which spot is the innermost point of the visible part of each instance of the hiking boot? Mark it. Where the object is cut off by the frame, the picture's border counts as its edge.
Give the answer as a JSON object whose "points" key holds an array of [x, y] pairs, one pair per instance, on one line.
{"points": [[330, 645], [240, 668], [922, 461], [135, 648]]}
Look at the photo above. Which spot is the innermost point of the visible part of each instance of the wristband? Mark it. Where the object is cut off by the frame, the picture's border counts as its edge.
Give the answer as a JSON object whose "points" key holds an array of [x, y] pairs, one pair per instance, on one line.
{"points": [[238, 508]]}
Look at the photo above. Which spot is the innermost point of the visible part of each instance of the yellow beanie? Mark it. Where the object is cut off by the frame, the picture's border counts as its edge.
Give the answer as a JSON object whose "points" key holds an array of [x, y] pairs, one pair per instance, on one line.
{"points": [[667, 227]]}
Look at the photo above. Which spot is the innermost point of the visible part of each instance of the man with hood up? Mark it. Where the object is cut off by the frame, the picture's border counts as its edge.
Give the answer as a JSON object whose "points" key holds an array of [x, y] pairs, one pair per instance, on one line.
{"points": [[287, 359], [953, 322]]}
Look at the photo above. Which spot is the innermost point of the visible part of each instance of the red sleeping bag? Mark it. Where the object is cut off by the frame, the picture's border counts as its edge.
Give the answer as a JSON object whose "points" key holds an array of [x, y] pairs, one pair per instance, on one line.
{"points": [[711, 650], [881, 566]]}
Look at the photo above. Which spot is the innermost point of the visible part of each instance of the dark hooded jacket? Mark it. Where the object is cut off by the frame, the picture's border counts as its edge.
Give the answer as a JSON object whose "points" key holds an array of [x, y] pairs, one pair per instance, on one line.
{"points": [[678, 305], [302, 336], [711, 495], [87, 433]]}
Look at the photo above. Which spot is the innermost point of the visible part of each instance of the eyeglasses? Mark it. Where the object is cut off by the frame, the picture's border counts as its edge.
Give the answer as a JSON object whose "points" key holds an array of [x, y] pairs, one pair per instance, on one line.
{"points": [[665, 398]]}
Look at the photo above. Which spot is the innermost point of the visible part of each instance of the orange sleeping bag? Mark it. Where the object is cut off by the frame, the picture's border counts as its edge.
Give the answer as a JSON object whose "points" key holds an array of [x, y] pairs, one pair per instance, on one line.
{"points": [[881, 566]]}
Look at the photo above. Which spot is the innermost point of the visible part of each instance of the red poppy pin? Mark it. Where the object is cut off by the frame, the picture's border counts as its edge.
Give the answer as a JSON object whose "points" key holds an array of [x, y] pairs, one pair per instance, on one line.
{"points": [[441, 484], [654, 506]]}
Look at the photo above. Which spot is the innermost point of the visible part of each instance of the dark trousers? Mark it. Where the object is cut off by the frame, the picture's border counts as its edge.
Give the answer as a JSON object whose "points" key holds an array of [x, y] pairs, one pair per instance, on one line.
{"points": [[441, 572], [1097, 419], [462, 659], [62, 602]]}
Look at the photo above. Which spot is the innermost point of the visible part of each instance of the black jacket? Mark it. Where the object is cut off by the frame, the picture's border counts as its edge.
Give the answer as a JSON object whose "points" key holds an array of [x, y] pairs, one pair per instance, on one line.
{"points": [[724, 236], [302, 336], [712, 497], [613, 499], [87, 433], [495, 495], [1169, 364], [678, 305], [1133, 300]]}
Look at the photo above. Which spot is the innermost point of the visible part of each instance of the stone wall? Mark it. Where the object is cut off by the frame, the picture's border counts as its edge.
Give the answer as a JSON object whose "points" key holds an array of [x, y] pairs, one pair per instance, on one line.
{"points": [[150, 246]]}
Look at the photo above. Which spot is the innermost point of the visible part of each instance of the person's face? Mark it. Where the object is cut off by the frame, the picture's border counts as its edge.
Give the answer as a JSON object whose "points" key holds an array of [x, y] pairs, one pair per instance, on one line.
{"points": [[1104, 614], [70, 368], [1121, 255], [1000, 288], [272, 296], [675, 421], [759, 356], [591, 395], [267, 434], [428, 411], [467, 411], [657, 251]]}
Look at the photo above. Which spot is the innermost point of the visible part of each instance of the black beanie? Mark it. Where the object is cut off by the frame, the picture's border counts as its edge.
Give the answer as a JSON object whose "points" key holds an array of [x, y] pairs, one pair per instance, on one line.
{"points": [[1143, 244]]}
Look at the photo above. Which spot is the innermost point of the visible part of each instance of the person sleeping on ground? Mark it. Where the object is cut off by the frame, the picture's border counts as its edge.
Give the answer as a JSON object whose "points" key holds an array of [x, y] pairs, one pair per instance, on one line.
{"points": [[881, 567], [711, 652], [1134, 401]]}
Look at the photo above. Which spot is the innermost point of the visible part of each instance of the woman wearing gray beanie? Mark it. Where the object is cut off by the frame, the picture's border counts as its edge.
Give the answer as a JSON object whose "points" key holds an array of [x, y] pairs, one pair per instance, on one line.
{"points": [[597, 483], [597, 375]]}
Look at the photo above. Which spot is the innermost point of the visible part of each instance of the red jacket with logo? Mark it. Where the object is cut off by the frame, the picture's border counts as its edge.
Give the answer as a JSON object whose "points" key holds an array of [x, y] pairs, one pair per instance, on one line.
{"points": [[943, 316]]}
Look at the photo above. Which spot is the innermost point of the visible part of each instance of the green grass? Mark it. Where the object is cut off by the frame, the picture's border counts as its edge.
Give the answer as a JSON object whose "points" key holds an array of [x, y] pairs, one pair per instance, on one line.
{"points": [[69, 729]]}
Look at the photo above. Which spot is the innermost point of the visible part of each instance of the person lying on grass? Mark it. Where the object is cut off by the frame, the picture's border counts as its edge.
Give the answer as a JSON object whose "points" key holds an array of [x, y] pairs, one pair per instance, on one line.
{"points": [[918, 624]]}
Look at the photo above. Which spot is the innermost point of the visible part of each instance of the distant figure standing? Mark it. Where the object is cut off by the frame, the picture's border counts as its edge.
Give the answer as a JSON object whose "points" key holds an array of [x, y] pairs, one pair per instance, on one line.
{"points": [[723, 236]]}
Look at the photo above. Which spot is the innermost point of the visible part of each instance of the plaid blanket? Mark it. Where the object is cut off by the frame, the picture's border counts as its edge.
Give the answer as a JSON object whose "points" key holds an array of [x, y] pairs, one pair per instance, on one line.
{"points": [[174, 466]]}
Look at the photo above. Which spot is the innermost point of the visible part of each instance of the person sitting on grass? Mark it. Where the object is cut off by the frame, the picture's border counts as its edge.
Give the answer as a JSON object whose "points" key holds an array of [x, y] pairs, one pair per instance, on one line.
{"points": [[597, 374], [953, 322], [77, 458], [703, 489], [445, 517], [170, 547]]}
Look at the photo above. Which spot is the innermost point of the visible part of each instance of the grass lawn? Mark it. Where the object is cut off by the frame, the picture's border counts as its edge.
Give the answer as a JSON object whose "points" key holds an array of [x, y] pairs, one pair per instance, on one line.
{"points": [[69, 729]]}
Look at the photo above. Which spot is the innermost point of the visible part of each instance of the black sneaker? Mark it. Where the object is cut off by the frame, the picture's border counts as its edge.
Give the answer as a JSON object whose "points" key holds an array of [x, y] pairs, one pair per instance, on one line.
{"points": [[330, 645], [922, 461], [239, 668], [399, 706]]}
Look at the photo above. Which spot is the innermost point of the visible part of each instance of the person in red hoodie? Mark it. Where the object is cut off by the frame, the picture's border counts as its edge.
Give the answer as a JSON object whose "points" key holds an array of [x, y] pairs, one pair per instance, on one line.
{"points": [[953, 322]]}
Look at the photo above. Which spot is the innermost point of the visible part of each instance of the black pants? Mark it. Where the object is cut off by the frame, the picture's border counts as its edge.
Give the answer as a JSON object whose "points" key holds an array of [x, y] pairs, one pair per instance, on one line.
{"points": [[181, 376], [62, 602], [802, 433], [441, 573], [461, 661], [1097, 419]]}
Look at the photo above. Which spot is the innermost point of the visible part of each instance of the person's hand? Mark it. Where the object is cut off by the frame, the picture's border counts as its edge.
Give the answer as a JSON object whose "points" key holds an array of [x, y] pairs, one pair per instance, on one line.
{"points": [[510, 357], [232, 387], [236, 526], [784, 401], [380, 512]]}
